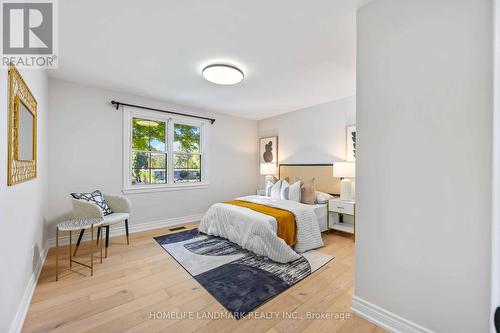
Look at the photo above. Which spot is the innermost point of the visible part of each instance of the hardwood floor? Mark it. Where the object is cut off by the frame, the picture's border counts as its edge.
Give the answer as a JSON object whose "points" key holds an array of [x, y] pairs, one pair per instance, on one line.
{"points": [[138, 282]]}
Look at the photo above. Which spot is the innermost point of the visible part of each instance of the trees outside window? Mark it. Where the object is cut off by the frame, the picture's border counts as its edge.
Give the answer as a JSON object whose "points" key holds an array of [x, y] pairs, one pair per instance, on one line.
{"points": [[163, 151], [149, 152], [187, 157]]}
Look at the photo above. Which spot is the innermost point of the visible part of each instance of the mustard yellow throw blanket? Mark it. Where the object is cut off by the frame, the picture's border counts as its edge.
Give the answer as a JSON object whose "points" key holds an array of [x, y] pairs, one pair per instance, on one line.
{"points": [[287, 228]]}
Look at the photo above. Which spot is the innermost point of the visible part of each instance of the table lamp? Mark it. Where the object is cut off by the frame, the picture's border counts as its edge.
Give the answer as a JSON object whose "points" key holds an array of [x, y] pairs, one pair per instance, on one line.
{"points": [[344, 171], [268, 170]]}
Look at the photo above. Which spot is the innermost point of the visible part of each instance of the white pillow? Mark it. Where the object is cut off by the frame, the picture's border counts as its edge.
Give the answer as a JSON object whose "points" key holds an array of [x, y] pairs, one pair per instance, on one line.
{"points": [[285, 188], [269, 185], [322, 197], [276, 190], [294, 192]]}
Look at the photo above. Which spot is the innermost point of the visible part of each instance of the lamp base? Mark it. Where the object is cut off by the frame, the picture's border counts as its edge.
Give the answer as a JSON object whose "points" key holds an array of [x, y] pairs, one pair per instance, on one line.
{"points": [[345, 189]]}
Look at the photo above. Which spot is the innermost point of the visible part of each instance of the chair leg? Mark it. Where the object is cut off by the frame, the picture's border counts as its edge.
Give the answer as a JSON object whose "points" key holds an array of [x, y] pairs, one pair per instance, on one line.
{"points": [[101, 244], [107, 241], [57, 254], [98, 233], [126, 230], [92, 251], [78, 242], [70, 261]]}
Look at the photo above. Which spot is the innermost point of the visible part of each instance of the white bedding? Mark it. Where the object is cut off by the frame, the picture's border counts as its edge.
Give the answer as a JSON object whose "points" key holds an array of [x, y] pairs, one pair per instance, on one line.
{"points": [[321, 211], [256, 232]]}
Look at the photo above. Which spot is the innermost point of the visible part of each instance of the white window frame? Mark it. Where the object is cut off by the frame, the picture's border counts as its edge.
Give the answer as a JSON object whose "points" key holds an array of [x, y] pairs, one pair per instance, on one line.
{"points": [[130, 113]]}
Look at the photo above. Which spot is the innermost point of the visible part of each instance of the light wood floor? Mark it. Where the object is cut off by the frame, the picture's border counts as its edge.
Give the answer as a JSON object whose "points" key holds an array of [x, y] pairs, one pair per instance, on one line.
{"points": [[142, 278]]}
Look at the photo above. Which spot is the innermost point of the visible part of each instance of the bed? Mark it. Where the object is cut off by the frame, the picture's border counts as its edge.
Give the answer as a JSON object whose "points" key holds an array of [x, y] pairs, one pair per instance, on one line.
{"points": [[324, 181], [321, 212], [258, 232]]}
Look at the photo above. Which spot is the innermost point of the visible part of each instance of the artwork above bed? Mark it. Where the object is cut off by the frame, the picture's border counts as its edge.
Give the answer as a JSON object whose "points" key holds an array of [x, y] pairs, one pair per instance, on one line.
{"points": [[269, 150], [350, 140]]}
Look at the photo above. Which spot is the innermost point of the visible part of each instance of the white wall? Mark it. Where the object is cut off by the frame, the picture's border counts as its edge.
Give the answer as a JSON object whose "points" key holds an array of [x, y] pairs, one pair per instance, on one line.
{"points": [[86, 144], [424, 129], [312, 135], [495, 230], [23, 209]]}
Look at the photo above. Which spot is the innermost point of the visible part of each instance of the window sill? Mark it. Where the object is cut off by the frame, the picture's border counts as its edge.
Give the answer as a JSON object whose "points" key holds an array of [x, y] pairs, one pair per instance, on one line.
{"points": [[164, 188]]}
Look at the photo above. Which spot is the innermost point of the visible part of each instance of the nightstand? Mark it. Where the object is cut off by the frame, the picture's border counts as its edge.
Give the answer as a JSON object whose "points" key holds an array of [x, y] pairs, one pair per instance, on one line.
{"points": [[261, 192], [341, 208]]}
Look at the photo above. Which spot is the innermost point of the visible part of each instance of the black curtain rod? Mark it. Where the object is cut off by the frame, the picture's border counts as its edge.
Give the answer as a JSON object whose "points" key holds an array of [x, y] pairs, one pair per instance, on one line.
{"points": [[212, 120]]}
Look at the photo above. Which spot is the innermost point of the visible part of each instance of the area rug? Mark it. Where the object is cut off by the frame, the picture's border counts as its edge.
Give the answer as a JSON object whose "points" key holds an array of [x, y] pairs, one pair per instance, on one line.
{"points": [[239, 279]]}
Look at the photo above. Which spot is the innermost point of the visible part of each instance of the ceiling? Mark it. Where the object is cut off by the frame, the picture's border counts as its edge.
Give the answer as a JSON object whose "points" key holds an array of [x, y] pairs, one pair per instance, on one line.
{"points": [[294, 53]]}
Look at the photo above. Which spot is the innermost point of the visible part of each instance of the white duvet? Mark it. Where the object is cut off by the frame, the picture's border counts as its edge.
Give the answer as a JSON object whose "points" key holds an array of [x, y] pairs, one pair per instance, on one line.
{"points": [[256, 232]]}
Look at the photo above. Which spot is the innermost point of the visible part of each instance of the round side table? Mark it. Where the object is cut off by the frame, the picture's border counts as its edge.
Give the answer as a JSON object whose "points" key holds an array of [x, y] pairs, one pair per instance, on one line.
{"points": [[78, 225]]}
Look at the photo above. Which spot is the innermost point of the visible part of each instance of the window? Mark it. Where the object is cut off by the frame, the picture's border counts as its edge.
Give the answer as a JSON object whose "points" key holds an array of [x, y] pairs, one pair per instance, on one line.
{"points": [[187, 157], [163, 153], [149, 152]]}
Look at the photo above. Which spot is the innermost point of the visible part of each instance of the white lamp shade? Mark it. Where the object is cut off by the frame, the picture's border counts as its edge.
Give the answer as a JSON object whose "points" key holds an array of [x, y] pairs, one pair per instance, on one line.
{"points": [[344, 170], [268, 169]]}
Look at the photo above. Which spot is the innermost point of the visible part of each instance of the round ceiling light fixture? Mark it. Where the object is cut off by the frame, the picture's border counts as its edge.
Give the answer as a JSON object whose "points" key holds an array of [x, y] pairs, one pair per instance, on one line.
{"points": [[223, 74]]}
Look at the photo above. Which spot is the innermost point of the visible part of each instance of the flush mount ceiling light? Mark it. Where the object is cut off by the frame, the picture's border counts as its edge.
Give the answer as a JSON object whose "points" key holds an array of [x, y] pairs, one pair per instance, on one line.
{"points": [[223, 74]]}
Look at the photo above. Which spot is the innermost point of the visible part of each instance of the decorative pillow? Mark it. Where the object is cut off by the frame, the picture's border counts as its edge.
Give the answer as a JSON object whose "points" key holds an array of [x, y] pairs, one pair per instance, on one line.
{"points": [[269, 185], [96, 197], [322, 197], [285, 188], [276, 190], [294, 191], [308, 193]]}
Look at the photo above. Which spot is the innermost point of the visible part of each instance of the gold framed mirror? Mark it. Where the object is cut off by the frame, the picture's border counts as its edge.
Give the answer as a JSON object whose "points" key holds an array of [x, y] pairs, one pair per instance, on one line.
{"points": [[22, 148]]}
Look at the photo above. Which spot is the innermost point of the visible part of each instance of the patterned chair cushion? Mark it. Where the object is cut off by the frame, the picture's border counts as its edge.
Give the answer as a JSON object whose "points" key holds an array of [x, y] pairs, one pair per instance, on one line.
{"points": [[96, 197]]}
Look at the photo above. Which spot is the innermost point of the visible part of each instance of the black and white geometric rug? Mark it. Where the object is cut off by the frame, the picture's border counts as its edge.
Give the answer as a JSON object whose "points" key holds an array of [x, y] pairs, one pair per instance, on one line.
{"points": [[239, 279]]}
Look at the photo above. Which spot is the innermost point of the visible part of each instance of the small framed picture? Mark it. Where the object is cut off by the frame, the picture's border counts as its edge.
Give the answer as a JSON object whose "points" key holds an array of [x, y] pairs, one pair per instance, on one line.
{"points": [[269, 150], [351, 143]]}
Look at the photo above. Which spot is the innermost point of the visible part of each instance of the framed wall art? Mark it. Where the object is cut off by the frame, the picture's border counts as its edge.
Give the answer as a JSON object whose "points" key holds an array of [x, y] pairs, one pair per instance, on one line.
{"points": [[351, 143], [269, 150], [22, 136]]}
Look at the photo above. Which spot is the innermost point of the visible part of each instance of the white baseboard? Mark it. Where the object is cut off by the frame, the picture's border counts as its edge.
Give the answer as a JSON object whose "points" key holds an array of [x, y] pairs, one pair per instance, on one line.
{"points": [[385, 319], [22, 309], [119, 228]]}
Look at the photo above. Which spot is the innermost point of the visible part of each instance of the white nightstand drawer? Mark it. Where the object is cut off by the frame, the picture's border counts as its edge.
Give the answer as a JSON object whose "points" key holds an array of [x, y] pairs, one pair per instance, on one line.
{"points": [[342, 207]]}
